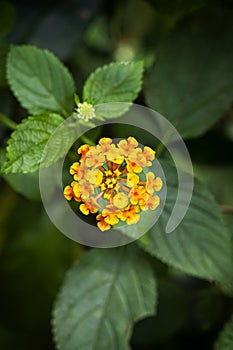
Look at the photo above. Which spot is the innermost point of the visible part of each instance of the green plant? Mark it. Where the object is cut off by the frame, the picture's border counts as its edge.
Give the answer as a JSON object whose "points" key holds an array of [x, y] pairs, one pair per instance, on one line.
{"points": [[108, 290]]}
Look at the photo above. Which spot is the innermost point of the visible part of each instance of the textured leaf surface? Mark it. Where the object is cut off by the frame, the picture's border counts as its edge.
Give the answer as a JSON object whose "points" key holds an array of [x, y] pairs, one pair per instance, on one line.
{"points": [[116, 82], [60, 143], [101, 298], [27, 142], [191, 83], [225, 340], [201, 245], [39, 80]]}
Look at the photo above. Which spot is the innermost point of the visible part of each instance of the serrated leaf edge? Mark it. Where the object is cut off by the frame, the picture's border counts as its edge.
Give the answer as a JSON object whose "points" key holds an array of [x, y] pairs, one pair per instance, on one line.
{"points": [[8, 163], [55, 58], [109, 66]]}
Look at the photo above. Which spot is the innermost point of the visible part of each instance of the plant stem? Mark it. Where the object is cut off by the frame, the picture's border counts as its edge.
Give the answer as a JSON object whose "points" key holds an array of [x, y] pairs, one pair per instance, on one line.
{"points": [[226, 209], [159, 149], [87, 140], [8, 122]]}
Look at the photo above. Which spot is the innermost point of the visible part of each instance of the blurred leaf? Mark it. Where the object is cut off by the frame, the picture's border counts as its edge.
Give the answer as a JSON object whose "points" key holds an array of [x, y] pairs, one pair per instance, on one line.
{"points": [[201, 245], [32, 265], [116, 82], [171, 315], [218, 178], [7, 17], [68, 25], [8, 204], [102, 296], [228, 127], [25, 184], [180, 7], [191, 83], [39, 80], [137, 24], [185, 307], [98, 35], [12, 339], [225, 340], [18, 181], [27, 142]]}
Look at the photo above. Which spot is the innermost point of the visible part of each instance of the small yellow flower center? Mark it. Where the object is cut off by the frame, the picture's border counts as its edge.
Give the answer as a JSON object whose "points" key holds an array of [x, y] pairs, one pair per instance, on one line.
{"points": [[85, 111], [111, 179]]}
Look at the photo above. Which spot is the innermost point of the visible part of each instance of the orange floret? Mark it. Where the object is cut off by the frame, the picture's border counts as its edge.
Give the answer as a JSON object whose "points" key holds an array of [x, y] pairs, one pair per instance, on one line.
{"points": [[107, 182], [149, 155], [68, 193], [74, 169], [127, 146], [153, 184], [130, 214], [90, 206]]}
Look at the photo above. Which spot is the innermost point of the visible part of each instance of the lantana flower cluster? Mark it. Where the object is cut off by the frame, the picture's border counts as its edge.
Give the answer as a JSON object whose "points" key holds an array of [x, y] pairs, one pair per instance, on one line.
{"points": [[113, 181]]}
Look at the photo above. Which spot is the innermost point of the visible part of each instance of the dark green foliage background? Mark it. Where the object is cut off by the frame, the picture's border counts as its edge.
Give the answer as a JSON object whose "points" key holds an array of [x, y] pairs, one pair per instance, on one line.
{"points": [[187, 48]]}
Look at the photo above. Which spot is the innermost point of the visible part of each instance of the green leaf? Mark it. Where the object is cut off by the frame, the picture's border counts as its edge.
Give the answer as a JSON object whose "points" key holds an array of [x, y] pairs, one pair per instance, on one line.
{"points": [[60, 142], [116, 82], [39, 80], [102, 296], [191, 83], [27, 142], [76, 99], [201, 245], [18, 181], [225, 340]]}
